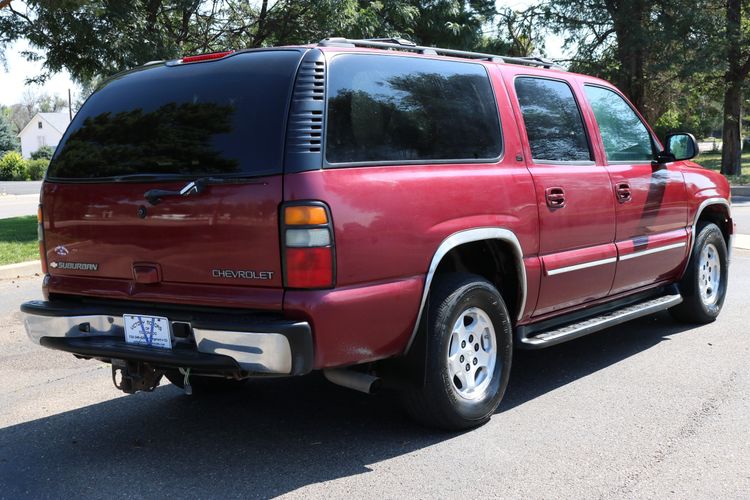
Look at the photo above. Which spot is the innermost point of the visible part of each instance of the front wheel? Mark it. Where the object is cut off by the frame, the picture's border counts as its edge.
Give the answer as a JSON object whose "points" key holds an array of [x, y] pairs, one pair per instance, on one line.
{"points": [[468, 353], [704, 285]]}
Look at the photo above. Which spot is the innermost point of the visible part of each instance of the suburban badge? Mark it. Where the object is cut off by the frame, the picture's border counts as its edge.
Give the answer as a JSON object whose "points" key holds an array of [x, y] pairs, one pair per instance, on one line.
{"points": [[75, 266]]}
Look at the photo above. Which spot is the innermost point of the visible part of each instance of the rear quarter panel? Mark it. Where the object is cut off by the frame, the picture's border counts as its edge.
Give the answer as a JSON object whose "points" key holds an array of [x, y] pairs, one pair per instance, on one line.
{"points": [[388, 223]]}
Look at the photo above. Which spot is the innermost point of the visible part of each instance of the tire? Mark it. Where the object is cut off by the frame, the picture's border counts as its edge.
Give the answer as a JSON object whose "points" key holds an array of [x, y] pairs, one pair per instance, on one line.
{"points": [[204, 385], [704, 287], [447, 395]]}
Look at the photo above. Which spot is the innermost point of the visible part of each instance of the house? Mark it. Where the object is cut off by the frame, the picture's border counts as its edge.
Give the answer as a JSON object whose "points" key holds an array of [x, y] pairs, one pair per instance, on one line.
{"points": [[44, 129]]}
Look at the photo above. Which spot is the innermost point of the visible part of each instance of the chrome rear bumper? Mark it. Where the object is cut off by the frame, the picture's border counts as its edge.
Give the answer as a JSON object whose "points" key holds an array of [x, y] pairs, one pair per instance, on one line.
{"points": [[278, 347]]}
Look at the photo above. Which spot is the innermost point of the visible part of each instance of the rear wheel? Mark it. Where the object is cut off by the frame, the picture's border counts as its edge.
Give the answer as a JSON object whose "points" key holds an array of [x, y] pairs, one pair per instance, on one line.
{"points": [[204, 385], [468, 355], [704, 285]]}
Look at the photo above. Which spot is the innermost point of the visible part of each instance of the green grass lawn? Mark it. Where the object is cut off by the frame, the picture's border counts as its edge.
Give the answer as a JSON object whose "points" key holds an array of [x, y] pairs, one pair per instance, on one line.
{"points": [[18, 240], [713, 161]]}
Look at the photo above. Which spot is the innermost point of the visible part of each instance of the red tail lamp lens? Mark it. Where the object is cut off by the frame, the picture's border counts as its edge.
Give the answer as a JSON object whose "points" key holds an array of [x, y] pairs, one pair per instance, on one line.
{"points": [[40, 237], [309, 267]]}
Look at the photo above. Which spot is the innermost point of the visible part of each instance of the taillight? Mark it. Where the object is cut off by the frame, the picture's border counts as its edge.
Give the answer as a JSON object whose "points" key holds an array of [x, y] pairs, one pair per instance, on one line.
{"points": [[206, 57], [40, 237], [308, 246]]}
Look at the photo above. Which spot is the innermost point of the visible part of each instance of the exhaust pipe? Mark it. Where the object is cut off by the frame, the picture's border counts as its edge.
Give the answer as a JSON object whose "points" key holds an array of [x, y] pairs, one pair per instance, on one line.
{"points": [[353, 380]]}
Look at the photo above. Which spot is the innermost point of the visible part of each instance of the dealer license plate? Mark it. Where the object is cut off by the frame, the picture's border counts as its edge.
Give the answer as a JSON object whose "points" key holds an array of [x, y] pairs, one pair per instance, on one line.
{"points": [[152, 331]]}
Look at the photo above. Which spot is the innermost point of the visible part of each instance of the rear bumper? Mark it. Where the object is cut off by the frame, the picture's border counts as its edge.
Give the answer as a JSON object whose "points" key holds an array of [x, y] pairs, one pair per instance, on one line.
{"points": [[215, 339]]}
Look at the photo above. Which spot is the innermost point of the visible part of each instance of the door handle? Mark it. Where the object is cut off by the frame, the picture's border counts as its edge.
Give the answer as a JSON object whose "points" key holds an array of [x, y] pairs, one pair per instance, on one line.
{"points": [[622, 190], [555, 197]]}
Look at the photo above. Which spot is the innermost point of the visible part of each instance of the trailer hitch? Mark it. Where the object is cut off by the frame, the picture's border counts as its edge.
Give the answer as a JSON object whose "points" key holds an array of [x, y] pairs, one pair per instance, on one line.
{"points": [[133, 376]]}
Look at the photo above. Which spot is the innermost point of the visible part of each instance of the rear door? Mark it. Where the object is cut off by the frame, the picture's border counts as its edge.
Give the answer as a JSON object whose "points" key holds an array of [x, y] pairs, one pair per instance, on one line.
{"points": [[219, 122], [650, 201], [573, 195]]}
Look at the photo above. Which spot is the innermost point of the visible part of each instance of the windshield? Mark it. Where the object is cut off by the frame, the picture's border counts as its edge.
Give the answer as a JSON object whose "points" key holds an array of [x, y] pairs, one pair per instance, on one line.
{"points": [[218, 117]]}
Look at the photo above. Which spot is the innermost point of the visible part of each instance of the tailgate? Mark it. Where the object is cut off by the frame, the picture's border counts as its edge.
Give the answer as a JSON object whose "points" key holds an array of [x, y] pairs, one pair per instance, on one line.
{"points": [[227, 234]]}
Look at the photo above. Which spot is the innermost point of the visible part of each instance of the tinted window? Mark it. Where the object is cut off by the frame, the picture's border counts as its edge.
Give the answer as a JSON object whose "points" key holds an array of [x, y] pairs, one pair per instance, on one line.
{"points": [[553, 121], [219, 117], [385, 108], [624, 135]]}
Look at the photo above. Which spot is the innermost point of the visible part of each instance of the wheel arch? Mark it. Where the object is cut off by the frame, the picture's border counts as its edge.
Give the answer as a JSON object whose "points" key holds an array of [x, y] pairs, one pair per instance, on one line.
{"points": [[718, 211], [506, 261]]}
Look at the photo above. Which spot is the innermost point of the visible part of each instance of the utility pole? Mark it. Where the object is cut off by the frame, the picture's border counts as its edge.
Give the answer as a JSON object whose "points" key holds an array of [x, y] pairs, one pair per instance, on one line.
{"points": [[70, 107]]}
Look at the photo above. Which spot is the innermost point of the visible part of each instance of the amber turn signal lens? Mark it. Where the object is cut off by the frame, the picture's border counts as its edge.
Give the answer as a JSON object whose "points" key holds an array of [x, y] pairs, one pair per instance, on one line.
{"points": [[305, 215], [39, 214]]}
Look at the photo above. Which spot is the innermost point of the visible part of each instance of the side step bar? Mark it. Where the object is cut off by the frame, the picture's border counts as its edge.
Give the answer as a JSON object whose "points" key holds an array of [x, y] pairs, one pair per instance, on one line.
{"points": [[579, 329]]}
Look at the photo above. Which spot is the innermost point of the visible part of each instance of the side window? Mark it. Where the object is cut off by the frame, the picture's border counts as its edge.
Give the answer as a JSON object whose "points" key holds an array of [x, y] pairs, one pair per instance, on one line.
{"points": [[625, 137], [553, 121], [386, 108]]}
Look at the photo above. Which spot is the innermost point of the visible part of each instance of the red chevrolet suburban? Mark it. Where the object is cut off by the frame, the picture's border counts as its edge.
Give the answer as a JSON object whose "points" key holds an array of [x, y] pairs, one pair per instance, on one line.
{"points": [[373, 209]]}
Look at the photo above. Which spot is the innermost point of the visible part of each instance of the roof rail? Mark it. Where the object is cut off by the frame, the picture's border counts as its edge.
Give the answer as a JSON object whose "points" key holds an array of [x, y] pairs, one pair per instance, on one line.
{"points": [[401, 44]]}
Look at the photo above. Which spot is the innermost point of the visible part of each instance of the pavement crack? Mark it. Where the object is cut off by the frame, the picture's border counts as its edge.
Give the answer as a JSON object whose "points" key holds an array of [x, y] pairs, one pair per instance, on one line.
{"points": [[695, 422]]}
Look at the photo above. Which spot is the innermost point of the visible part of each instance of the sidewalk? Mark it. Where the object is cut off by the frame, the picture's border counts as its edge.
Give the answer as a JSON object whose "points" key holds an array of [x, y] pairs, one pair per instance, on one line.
{"points": [[741, 241], [21, 270], [17, 205]]}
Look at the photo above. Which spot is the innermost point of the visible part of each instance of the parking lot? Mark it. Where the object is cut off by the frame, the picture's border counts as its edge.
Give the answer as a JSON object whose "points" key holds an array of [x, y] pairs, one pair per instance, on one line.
{"points": [[646, 409]]}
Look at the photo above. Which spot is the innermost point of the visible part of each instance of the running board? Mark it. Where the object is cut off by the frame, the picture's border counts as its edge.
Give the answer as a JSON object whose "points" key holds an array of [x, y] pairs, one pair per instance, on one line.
{"points": [[571, 331]]}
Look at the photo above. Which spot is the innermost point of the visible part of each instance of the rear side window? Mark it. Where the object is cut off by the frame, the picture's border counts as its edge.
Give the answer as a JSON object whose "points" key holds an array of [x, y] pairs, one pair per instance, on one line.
{"points": [[212, 118], [553, 120], [624, 135], [403, 109]]}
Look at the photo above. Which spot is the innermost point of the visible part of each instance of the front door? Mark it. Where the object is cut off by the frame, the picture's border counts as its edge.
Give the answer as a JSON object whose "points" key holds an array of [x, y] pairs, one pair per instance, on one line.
{"points": [[573, 194], [650, 201]]}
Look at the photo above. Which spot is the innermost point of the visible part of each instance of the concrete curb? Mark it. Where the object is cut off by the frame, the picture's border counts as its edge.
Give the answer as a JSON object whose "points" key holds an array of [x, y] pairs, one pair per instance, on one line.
{"points": [[22, 270], [740, 190]]}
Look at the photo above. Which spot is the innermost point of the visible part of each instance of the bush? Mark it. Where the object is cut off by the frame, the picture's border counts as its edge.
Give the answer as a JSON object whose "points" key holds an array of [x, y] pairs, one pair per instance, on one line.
{"points": [[12, 167], [36, 169], [43, 153]]}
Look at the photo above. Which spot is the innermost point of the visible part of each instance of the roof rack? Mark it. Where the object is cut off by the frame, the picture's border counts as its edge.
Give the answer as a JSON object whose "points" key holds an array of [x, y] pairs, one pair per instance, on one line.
{"points": [[401, 44]]}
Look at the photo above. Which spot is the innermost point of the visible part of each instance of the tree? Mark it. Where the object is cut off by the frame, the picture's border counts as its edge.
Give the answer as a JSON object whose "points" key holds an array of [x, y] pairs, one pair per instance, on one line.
{"points": [[640, 45], [8, 140], [94, 38]]}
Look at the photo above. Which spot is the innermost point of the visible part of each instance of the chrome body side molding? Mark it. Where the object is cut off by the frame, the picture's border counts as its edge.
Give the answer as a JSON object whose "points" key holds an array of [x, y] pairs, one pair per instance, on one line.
{"points": [[469, 236], [585, 265], [650, 251]]}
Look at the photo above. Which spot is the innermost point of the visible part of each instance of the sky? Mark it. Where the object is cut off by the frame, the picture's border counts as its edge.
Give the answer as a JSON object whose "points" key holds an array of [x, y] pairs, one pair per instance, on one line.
{"points": [[13, 85], [12, 79]]}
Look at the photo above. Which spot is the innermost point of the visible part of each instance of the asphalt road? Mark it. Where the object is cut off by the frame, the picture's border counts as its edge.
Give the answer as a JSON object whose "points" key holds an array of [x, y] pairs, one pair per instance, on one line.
{"points": [[22, 187], [648, 409]]}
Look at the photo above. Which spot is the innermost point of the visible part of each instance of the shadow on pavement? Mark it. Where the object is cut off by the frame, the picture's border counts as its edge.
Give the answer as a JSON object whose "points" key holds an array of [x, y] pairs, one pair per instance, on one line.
{"points": [[275, 437]]}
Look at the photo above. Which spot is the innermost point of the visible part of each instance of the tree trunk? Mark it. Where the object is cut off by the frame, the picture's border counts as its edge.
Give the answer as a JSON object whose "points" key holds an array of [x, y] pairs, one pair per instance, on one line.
{"points": [[629, 18], [731, 149]]}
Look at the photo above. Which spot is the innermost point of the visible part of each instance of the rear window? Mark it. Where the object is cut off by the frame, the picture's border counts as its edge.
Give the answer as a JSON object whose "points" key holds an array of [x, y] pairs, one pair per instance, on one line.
{"points": [[405, 109], [212, 118]]}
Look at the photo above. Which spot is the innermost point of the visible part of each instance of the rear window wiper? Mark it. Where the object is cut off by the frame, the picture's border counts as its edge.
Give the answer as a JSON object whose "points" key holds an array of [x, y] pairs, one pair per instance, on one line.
{"points": [[154, 196]]}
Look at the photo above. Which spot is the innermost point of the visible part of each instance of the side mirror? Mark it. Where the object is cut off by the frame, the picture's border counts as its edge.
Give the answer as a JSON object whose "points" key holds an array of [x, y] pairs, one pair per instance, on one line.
{"points": [[680, 146]]}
